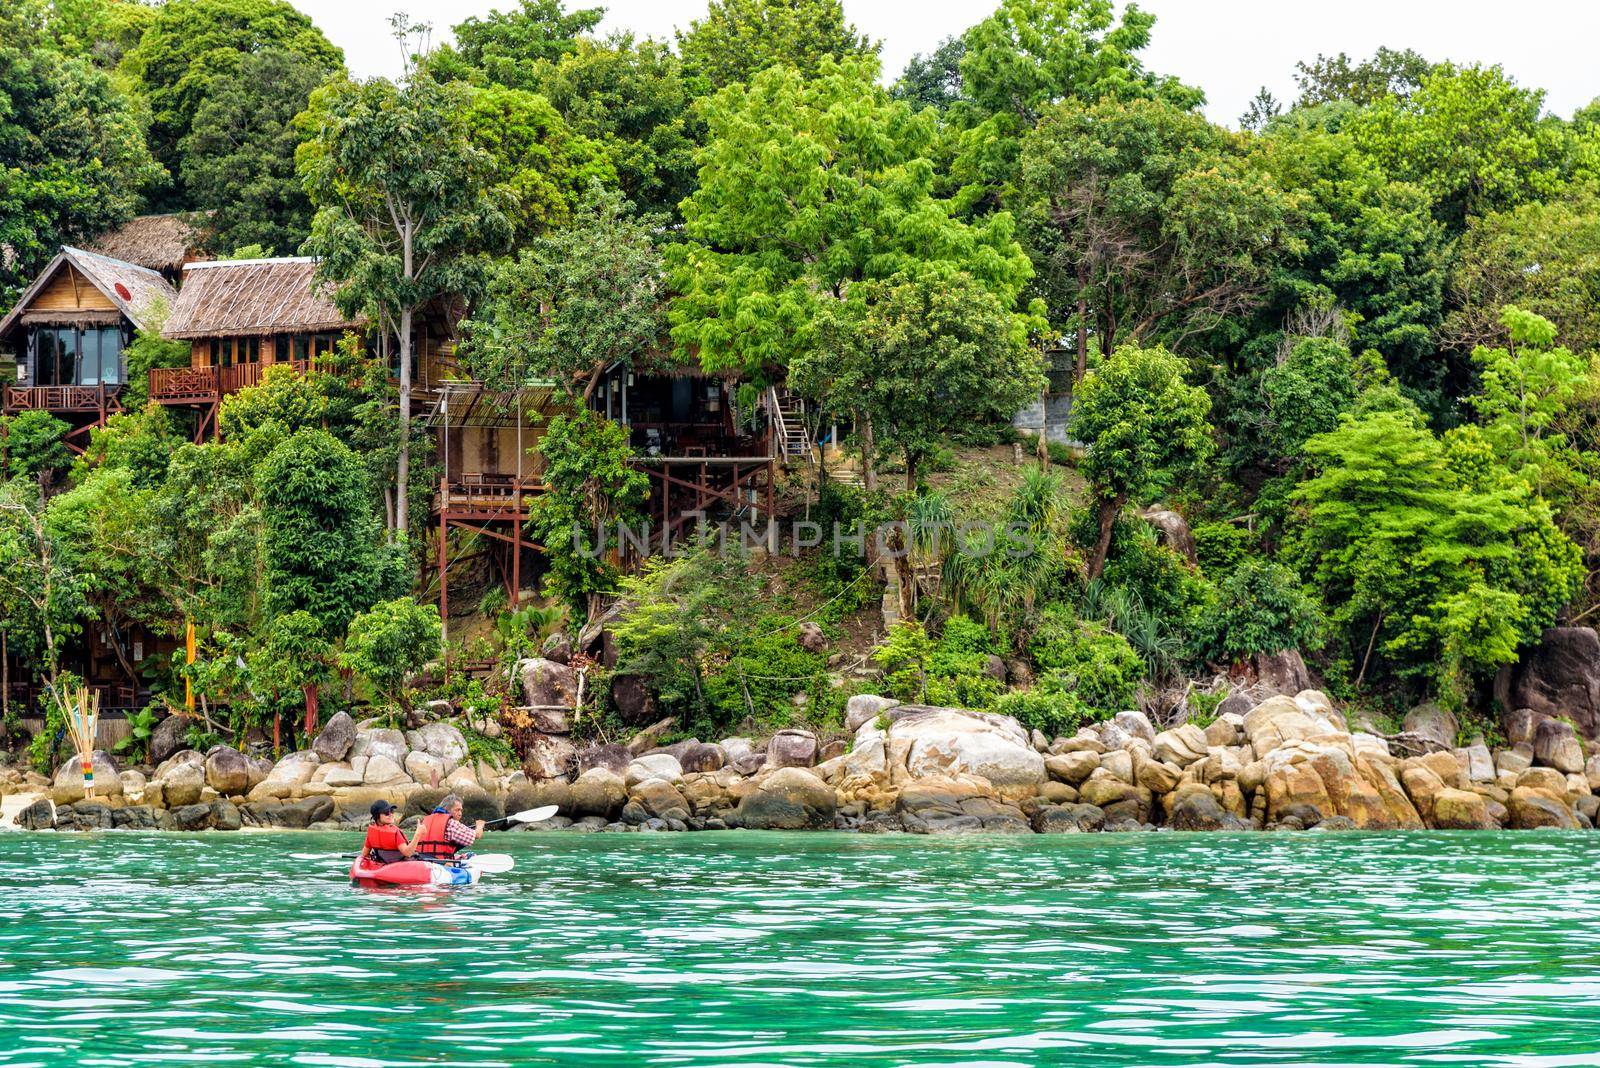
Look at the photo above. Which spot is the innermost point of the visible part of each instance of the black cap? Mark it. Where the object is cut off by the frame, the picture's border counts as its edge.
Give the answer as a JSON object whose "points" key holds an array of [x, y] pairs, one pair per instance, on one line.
{"points": [[379, 807]]}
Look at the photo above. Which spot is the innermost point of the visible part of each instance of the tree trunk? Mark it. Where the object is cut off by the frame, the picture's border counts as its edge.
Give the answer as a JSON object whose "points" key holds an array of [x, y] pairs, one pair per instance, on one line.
{"points": [[869, 466], [911, 473], [402, 467], [310, 690], [1108, 512], [1083, 324]]}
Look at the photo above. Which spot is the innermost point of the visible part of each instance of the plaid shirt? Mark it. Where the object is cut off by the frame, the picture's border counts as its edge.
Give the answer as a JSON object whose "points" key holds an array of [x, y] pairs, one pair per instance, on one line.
{"points": [[459, 833]]}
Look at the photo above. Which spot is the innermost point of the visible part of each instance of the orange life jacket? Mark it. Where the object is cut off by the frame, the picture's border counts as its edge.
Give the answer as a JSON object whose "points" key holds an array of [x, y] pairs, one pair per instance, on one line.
{"points": [[431, 840], [383, 843]]}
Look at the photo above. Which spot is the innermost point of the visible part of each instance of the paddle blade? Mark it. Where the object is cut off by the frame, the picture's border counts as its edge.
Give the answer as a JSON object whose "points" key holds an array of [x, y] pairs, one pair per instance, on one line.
{"points": [[534, 815], [494, 863]]}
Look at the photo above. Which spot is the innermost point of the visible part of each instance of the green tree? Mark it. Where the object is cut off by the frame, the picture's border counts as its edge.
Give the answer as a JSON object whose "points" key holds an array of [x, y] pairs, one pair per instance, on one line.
{"points": [[292, 655], [1147, 223], [237, 157], [740, 38], [1398, 531], [405, 211], [319, 537], [41, 590], [1389, 73], [1306, 392], [1143, 426], [593, 488], [1261, 608], [1031, 54], [1525, 387], [1470, 137], [33, 443], [73, 160], [150, 350], [206, 540], [1542, 257], [539, 166], [632, 97], [918, 354], [194, 48], [577, 301], [140, 442], [934, 80], [507, 47], [807, 186], [390, 643]]}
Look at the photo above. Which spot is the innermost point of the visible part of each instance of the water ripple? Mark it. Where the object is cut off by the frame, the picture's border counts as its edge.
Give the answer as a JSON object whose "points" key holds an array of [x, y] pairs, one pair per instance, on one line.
{"points": [[748, 951]]}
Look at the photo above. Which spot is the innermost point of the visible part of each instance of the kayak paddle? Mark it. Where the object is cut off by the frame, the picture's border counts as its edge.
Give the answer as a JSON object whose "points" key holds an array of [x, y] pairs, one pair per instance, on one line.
{"points": [[527, 815], [493, 863]]}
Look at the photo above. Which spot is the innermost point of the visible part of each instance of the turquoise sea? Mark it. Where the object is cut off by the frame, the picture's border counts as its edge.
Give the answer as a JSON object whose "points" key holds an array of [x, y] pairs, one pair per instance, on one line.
{"points": [[742, 949]]}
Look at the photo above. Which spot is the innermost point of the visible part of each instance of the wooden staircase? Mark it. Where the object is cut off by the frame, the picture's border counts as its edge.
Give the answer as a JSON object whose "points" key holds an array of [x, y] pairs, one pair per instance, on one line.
{"points": [[788, 413]]}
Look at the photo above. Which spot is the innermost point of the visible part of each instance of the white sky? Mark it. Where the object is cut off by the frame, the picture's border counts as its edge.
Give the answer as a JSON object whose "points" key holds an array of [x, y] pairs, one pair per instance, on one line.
{"points": [[1229, 48]]}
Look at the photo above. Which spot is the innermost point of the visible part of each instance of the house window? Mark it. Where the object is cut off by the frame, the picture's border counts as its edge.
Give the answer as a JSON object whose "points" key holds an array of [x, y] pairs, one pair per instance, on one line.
{"points": [[70, 356], [227, 351]]}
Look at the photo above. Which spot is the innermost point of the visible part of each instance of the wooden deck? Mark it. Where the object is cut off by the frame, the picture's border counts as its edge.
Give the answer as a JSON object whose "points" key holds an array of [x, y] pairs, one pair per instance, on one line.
{"points": [[96, 399]]}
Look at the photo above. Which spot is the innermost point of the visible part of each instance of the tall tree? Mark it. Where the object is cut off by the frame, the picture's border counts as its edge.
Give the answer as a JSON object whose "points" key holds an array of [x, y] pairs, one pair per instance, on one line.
{"points": [[319, 537], [238, 157], [193, 48], [1143, 427], [1389, 73], [1147, 222], [739, 38], [920, 354], [507, 47], [406, 209], [577, 301], [808, 185], [73, 160], [934, 80]]}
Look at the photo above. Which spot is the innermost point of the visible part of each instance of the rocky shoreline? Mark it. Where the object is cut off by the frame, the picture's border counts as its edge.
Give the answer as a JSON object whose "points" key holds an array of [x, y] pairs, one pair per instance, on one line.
{"points": [[1280, 763]]}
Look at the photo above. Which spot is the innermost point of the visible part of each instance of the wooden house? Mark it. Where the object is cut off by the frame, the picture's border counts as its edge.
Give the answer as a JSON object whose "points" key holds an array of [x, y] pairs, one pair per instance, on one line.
{"points": [[68, 333], [243, 316]]}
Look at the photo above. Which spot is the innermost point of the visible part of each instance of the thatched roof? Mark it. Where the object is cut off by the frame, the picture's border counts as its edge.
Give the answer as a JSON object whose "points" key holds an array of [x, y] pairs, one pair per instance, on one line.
{"points": [[228, 298], [136, 291], [159, 242]]}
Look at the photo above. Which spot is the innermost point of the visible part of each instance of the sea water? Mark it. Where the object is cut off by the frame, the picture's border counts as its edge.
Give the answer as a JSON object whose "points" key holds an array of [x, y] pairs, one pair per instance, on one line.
{"points": [[744, 949]]}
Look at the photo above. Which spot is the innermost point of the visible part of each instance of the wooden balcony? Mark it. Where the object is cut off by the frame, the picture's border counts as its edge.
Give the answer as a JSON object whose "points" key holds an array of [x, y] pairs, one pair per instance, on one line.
{"points": [[487, 495], [204, 385], [96, 399]]}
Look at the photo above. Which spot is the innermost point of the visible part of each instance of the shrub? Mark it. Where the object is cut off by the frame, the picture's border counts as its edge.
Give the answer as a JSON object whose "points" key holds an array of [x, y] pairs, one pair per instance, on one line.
{"points": [[1048, 709], [1093, 663], [35, 441], [390, 643], [762, 677], [1261, 608], [949, 671], [1221, 547]]}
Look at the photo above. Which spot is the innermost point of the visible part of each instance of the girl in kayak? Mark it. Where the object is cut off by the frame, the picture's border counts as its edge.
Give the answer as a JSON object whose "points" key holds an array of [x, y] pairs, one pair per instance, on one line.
{"points": [[385, 843]]}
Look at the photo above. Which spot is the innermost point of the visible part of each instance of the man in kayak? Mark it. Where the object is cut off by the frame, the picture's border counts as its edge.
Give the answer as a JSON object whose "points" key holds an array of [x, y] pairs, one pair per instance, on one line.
{"points": [[385, 843], [443, 834]]}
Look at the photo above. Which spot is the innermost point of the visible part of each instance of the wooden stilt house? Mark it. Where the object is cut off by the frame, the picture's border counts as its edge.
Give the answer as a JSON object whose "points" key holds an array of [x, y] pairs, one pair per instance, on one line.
{"points": [[68, 332]]}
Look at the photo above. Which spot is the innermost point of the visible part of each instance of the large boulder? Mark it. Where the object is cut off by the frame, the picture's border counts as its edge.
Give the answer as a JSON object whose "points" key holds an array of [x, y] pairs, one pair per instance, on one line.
{"points": [[381, 771], [654, 766], [1068, 819], [599, 792], [548, 756], [865, 708], [1196, 808], [182, 782], [1137, 724], [1182, 745], [1555, 745], [812, 638], [228, 771], [611, 756], [425, 767], [169, 736], [1433, 722], [1279, 673], [286, 776], [379, 741], [1533, 808], [1281, 719], [1461, 810], [949, 742], [1072, 767], [337, 736], [547, 684], [442, 741], [702, 757], [67, 786], [961, 805], [659, 799], [1561, 677], [788, 799], [633, 699], [792, 748]]}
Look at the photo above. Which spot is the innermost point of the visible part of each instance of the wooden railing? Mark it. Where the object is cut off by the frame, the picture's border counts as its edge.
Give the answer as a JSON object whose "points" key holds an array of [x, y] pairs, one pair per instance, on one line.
{"points": [[62, 398], [177, 385], [488, 491]]}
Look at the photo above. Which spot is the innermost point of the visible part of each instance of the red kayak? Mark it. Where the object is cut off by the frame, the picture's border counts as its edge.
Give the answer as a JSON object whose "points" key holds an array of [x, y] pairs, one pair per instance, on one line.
{"points": [[417, 873]]}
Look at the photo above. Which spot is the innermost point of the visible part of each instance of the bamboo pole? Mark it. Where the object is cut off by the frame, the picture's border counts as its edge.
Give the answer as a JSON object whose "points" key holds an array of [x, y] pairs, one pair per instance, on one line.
{"points": [[83, 716]]}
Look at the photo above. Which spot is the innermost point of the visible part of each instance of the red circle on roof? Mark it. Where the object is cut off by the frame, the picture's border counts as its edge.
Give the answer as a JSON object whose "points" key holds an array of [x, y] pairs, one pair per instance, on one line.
{"points": [[122, 291]]}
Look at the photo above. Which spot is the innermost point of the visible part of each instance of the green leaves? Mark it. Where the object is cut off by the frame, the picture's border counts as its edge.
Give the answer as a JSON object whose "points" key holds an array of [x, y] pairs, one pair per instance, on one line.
{"points": [[1142, 425], [391, 642], [806, 187], [738, 39]]}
